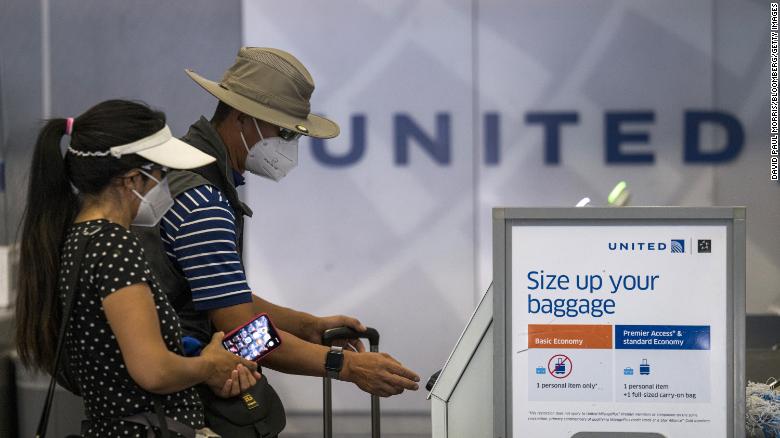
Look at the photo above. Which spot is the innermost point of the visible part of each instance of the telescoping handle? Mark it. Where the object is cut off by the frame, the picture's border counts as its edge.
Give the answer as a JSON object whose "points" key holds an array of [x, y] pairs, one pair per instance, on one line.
{"points": [[338, 333], [328, 337]]}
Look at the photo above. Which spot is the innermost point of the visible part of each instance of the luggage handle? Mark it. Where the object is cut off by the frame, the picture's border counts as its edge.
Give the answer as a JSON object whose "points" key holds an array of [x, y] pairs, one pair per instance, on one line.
{"points": [[337, 333], [373, 341]]}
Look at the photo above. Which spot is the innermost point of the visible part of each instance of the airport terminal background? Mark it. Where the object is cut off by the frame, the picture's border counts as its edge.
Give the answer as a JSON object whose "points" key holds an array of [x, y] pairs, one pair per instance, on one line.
{"points": [[447, 108]]}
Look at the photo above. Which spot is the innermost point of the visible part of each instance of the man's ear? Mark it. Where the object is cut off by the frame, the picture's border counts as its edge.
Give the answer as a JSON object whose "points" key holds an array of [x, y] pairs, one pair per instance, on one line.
{"points": [[236, 116]]}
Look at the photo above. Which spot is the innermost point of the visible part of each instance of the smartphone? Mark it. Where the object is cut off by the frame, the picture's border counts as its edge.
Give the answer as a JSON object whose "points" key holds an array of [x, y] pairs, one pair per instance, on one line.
{"points": [[253, 340]]}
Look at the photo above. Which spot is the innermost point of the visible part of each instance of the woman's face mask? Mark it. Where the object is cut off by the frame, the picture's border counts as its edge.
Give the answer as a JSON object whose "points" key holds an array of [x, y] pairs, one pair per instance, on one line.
{"points": [[154, 204], [271, 158]]}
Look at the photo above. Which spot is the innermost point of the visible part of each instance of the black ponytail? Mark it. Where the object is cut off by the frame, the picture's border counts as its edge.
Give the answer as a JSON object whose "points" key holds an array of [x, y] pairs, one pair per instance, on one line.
{"points": [[52, 206]]}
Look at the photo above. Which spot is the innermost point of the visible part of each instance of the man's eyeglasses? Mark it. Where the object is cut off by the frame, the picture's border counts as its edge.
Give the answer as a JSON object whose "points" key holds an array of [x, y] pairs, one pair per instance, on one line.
{"points": [[288, 134]]}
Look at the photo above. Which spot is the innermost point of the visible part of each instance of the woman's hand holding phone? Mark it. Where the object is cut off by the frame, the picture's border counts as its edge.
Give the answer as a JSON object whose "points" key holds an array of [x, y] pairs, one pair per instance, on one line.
{"points": [[241, 379], [231, 374]]}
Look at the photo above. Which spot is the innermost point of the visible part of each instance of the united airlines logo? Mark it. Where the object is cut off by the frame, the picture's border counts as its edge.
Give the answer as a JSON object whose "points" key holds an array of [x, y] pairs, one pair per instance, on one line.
{"points": [[676, 246], [637, 246]]}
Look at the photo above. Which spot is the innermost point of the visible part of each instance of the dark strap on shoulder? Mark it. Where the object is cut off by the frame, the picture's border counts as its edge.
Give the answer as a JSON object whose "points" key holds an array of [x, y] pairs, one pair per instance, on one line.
{"points": [[179, 181], [70, 297]]}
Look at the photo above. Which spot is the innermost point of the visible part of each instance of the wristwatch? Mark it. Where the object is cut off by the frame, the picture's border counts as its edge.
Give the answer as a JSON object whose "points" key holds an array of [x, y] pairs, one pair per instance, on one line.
{"points": [[334, 361]]}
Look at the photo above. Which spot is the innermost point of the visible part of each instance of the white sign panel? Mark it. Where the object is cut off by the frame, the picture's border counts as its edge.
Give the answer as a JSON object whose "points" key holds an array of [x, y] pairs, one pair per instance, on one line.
{"points": [[619, 329]]}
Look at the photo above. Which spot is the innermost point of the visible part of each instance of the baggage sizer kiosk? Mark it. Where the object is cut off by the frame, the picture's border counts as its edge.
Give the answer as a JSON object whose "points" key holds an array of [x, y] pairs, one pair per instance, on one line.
{"points": [[604, 322]]}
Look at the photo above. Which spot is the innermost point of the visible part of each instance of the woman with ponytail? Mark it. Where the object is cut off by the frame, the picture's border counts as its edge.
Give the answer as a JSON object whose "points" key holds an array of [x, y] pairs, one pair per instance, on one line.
{"points": [[123, 337]]}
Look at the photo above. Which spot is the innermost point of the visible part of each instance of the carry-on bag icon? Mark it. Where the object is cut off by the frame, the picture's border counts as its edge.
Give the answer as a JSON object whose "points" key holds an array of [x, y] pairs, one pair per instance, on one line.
{"points": [[560, 367], [644, 368]]}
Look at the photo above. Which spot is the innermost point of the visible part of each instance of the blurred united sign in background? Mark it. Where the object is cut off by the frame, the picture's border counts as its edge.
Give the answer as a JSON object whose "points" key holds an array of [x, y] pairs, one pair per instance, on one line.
{"points": [[449, 108]]}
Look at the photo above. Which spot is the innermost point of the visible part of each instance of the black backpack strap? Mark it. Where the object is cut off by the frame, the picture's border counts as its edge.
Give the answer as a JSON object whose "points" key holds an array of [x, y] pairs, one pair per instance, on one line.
{"points": [[70, 298], [161, 422]]}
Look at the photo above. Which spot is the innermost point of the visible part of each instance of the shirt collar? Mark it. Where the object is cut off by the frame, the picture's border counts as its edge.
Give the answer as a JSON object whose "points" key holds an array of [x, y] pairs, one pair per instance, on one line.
{"points": [[238, 179]]}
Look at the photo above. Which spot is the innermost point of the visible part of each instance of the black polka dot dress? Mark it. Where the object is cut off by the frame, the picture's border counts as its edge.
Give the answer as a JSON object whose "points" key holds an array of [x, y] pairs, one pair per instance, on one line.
{"points": [[113, 260]]}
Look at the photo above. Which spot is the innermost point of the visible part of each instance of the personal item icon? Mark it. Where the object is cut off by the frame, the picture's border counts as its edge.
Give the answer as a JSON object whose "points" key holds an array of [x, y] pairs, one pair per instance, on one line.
{"points": [[541, 370], [560, 366], [628, 371], [644, 368]]}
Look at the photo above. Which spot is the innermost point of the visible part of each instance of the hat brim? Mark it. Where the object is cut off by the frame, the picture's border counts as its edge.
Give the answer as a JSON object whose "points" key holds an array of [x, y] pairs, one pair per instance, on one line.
{"points": [[313, 125], [177, 154]]}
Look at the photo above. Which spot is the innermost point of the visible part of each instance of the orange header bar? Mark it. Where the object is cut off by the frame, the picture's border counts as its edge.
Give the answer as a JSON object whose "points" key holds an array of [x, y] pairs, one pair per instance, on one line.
{"points": [[570, 336]]}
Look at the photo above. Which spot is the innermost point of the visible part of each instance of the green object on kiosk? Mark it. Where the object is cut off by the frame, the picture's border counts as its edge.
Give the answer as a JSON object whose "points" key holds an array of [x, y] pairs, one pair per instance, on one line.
{"points": [[619, 195]]}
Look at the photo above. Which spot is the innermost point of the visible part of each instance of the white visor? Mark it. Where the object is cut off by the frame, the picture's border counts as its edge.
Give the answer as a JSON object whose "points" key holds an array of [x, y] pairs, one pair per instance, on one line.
{"points": [[166, 150]]}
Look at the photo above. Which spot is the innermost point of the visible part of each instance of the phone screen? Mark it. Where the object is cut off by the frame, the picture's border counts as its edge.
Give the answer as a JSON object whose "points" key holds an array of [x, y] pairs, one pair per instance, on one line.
{"points": [[254, 339]]}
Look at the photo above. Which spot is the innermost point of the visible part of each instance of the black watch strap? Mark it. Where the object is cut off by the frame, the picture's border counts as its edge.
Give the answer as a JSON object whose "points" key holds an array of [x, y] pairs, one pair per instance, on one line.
{"points": [[334, 362]]}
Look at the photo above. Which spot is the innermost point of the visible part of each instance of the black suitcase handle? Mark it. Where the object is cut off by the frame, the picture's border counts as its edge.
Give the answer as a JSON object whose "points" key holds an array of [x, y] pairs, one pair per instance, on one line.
{"points": [[328, 337], [337, 333]]}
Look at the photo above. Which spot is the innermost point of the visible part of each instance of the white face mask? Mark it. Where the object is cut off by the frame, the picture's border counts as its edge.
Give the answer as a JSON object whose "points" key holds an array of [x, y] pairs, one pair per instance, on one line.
{"points": [[271, 158], [154, 204]]}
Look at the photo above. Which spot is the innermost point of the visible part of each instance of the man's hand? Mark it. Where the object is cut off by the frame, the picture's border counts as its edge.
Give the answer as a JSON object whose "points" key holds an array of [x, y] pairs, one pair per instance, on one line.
{"points": [[315, 331], [378, 373]]}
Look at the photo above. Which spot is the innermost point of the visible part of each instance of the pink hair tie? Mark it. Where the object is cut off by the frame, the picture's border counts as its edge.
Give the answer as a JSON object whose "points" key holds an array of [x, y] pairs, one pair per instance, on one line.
{"points": [[69, 125]]}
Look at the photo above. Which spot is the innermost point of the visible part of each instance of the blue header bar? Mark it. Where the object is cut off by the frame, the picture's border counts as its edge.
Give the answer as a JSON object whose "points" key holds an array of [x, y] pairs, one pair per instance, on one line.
{"points": [[662, 337]]}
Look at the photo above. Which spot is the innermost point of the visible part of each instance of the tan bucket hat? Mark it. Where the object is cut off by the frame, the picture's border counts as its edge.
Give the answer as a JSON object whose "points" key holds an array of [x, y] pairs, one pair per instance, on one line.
{"points": [[270, 85]]}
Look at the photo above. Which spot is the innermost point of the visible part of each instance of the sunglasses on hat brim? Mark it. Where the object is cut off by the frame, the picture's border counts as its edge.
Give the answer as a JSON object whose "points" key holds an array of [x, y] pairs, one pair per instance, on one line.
{"points": [[288, 134], [284, 133]]}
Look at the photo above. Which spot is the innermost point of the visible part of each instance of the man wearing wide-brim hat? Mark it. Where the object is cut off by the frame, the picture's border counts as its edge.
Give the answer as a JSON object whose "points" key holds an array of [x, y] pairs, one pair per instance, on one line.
{"points": [[263, 109]]}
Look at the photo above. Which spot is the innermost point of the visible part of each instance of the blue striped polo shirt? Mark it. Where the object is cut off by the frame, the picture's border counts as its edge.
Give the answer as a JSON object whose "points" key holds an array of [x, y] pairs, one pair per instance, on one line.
{"points": [[199, 235]]}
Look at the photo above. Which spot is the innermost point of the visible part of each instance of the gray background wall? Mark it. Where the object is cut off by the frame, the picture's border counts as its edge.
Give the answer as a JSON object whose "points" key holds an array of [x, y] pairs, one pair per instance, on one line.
{"points": [[57, 58]]}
